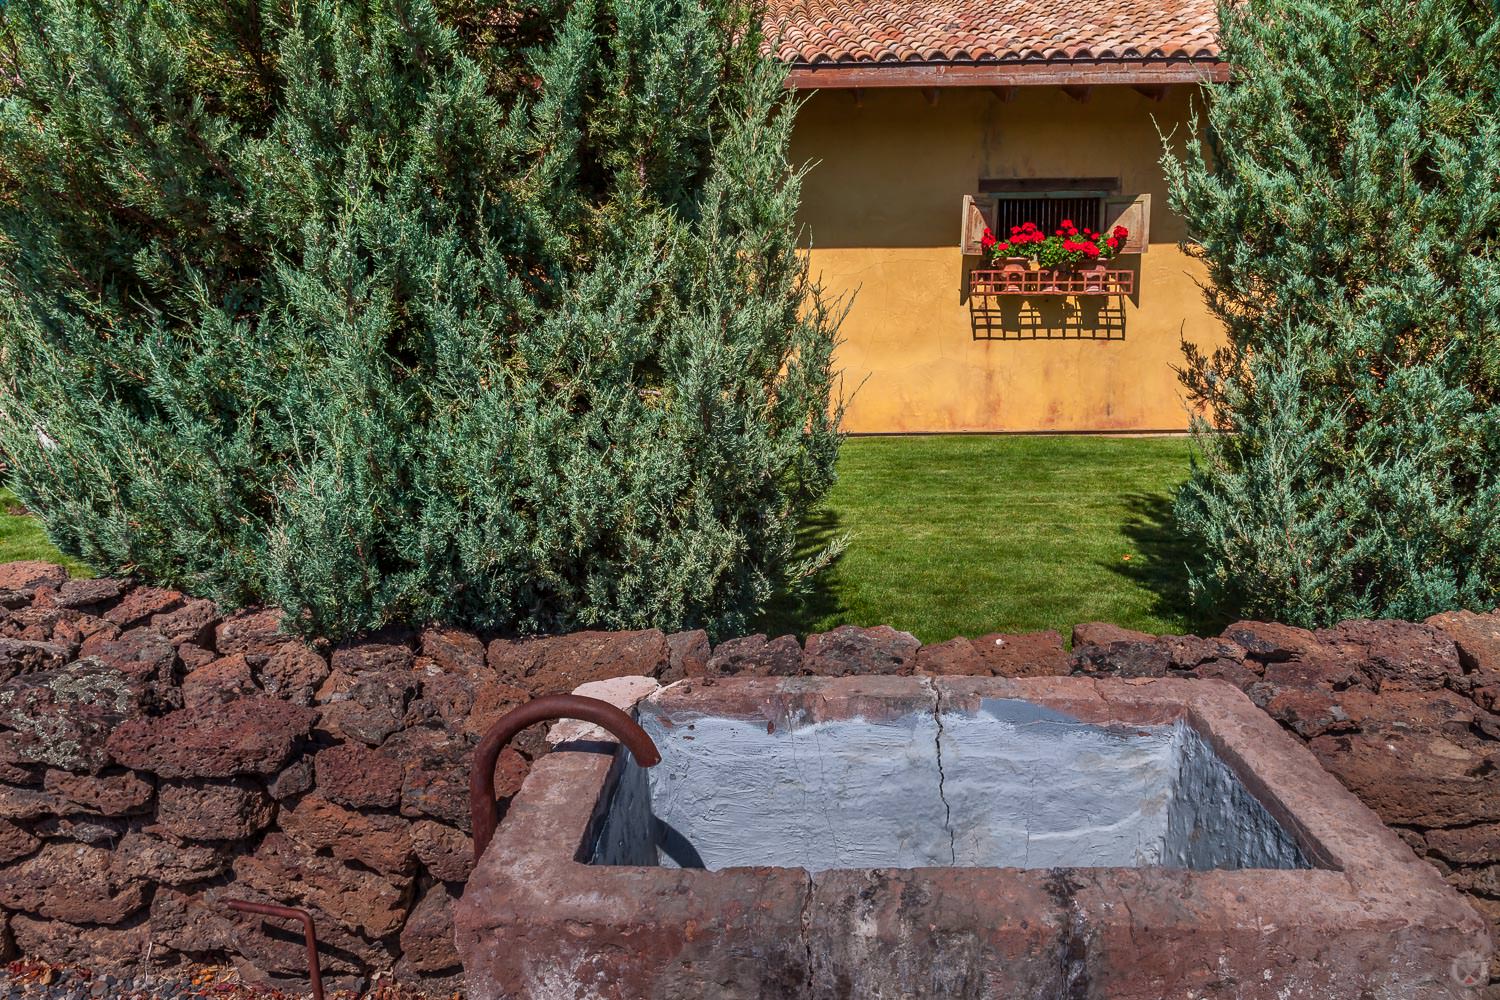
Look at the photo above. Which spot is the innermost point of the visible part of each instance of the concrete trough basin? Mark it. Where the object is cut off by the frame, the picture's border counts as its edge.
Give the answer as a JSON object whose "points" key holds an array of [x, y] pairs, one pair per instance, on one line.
{"points": [[955, 837]]}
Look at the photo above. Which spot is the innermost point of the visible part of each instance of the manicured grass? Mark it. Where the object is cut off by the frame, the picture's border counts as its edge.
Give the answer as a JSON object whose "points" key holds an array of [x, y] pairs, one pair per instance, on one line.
{"points": [[965, 535], [22, 537], [962, 535]]}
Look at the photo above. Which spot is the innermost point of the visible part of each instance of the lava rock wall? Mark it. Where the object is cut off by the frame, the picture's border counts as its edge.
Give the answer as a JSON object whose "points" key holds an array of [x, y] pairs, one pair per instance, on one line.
{"points": [[158, 756]]}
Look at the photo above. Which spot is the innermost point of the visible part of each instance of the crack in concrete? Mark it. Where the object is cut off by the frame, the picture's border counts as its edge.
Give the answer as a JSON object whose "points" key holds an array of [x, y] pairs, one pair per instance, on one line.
{"points": [[805, 932], [937, 715]]}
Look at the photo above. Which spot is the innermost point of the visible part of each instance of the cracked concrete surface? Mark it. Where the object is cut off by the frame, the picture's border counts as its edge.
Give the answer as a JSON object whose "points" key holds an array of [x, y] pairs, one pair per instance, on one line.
{"points": [[1011, 785]]}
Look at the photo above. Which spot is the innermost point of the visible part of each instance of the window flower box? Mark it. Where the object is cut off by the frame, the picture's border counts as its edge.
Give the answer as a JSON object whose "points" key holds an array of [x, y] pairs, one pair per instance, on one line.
{"points": [[1051, 281]]}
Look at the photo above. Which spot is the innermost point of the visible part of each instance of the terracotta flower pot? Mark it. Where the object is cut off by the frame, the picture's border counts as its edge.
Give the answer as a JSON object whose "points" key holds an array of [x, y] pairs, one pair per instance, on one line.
{"points": [[1095, 276], [1013, 271], [1057, 278]]}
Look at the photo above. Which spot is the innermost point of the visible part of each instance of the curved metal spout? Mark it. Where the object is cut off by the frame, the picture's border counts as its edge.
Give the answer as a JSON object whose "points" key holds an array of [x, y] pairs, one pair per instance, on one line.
{"points": [[482, 812]]}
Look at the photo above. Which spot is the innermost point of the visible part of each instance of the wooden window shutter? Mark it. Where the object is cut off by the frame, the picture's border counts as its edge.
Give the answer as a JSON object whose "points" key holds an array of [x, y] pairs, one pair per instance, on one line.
{"points": [[1134, 213], [974, 225]]}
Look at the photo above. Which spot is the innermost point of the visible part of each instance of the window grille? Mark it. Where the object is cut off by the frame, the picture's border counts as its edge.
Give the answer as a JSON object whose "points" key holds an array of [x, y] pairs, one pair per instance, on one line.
{"points": [[1047, 211]]}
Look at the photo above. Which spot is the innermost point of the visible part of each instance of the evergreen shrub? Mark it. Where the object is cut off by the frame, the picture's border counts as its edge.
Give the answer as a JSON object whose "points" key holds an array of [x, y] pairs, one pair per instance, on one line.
{"points": [[390, 311], [1344, 190]]}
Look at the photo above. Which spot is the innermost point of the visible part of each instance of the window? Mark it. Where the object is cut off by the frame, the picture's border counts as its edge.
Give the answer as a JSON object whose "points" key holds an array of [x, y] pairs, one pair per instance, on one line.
{"points": [[1094, 202]]}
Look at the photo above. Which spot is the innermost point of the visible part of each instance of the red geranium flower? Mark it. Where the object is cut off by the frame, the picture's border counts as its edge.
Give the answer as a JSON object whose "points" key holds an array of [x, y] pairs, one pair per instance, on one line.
{"points": [[1121, 232], [1113, 243], [1067, 223]]}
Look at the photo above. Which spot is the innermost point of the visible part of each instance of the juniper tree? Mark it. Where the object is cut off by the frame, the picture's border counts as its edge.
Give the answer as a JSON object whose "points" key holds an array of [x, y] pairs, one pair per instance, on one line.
{"points": [[389, 311], [1344, 189]]}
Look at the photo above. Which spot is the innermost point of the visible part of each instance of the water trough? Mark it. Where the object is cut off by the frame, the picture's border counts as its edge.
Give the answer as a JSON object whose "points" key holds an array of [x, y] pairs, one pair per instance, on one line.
{"points": [[954, 837]]}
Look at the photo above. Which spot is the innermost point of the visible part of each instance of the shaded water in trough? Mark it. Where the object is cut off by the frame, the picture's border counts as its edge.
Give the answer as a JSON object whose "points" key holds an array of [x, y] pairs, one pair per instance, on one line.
{"points": [[1013, 785]]}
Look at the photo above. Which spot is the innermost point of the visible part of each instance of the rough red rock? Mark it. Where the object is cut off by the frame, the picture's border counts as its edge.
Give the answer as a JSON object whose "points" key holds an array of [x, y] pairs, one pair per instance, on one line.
{"points": [[1412, 779], [72, 882], [1026, 654], [294, 672], [558, 664], [1308, 712], [358, 899], [754, 656], [427, 938], [27, 576], [1103, 633], [850, 649], [956, 657], [1477, 639], [64, 717], [1122, 658], [232, 809], [434, 775], [140, 604], [21, 656], [194, 622], [1469, 845], [247, 736], [1418, 711], [256, 634], [491, 702], [74, 628], [1404, 654], [293, 780], [453, 650], [367, 707], [88, 594], [1271, 642], [223, 680], [446, 853], [447, 700], [193, 656], [83, 829], [66, 943], [375, 840], [142, 654], [1240, 674], [151, 856], [354, 775], [17, 842], [370, 657], [120, 794], [32, 803], [687, 655]]}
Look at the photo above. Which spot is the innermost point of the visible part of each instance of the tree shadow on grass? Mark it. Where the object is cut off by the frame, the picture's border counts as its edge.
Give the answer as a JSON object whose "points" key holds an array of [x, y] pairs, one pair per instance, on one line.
{"points": [[815, 601], [1163, 556]]}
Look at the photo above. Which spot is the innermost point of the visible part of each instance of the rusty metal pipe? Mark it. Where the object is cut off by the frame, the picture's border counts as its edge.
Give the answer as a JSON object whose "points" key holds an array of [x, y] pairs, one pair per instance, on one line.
{"points": [[482, 811], [290, 913]]}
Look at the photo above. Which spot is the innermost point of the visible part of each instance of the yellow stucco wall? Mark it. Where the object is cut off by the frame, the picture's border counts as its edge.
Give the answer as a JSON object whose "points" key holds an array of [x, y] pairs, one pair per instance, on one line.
{"points": [[881, 206]]}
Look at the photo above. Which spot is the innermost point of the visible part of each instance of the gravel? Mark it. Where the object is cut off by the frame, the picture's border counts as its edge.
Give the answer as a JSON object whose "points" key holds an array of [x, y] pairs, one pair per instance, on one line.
{"points": [[33, 980]]}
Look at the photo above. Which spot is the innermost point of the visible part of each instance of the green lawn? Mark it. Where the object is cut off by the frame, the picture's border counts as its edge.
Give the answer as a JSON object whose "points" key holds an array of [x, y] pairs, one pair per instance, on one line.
{"points": [[21, 537], [963, 535]]}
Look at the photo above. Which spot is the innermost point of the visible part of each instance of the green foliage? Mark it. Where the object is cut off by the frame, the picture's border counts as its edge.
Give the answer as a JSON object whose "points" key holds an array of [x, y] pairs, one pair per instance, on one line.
{"points": [[1344, 191], [400, 310]]}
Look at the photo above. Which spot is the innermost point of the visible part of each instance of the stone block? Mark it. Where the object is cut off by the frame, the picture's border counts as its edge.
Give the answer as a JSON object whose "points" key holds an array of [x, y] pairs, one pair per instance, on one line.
{"points": [[254, 735]]}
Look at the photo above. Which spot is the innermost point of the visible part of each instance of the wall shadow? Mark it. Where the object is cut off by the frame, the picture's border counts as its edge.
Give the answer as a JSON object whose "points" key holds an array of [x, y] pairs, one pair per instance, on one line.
{"points": [[799, 611], [1163, 556], [1016, 317]]}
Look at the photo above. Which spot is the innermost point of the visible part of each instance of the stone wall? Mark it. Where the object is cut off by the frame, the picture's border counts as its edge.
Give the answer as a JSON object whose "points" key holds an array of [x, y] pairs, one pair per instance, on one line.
{"points": [[158, 757]]}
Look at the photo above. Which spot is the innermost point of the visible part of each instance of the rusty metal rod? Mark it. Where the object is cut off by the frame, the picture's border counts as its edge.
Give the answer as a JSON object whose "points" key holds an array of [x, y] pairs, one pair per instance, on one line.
{"points": [[482, 810], [290, 913]]}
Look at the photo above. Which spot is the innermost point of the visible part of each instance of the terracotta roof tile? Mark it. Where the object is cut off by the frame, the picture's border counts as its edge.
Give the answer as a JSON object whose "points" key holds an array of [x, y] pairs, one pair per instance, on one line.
{"points": [[806, 32]]}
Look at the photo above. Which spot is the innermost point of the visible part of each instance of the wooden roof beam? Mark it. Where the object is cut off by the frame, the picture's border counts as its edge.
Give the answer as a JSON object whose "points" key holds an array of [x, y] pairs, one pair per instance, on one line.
{"points": [[1079, 94], [1153, 91]]}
